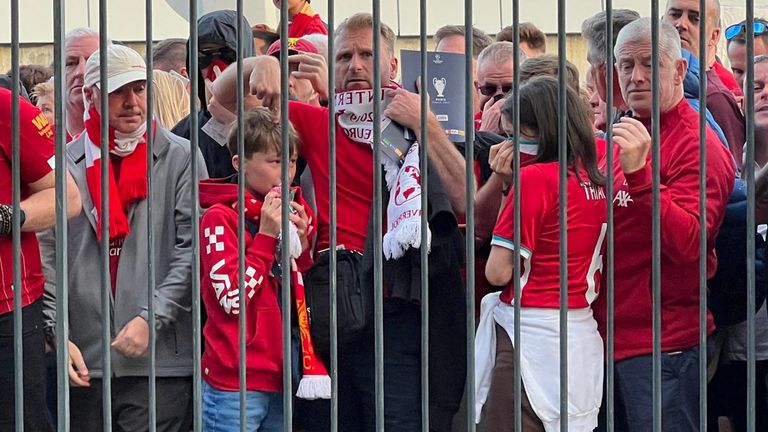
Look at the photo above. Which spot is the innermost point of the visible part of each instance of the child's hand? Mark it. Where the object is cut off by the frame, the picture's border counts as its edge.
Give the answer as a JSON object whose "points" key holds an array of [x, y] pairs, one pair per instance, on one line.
{"points": [[302, 222], [270, 215]]}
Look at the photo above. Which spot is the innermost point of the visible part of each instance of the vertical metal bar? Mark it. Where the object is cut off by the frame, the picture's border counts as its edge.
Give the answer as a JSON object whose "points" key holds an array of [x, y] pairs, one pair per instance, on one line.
{"points": [[378, 281], [703, 217], [656, 218], [501, 14], [518, 383], [469, 156], [106, 282], [750, 180], [194, 129], [424, 250], [609, 187], [332, 277], [285, 199], [62, 268], [241, 185], [562, 156], [152, 354], [18, 346]]}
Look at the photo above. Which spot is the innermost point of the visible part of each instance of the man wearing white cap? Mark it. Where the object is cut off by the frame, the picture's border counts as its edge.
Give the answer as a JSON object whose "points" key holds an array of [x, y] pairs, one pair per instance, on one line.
{"points": [[171, 222]]}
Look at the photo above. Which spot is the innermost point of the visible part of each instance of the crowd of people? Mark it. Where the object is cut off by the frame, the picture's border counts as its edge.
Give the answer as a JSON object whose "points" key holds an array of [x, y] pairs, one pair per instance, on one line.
{"points": [[227, 160]]}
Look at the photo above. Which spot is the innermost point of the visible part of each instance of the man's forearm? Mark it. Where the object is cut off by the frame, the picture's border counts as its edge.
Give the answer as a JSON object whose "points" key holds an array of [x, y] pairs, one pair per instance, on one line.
{"points": [[487, 204], [40, 207], [450, 165], [225, 86]]}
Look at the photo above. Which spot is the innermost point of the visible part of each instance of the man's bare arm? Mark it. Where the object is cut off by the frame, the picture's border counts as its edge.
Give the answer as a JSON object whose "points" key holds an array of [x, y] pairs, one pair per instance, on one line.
{"points": [[40, 207]]}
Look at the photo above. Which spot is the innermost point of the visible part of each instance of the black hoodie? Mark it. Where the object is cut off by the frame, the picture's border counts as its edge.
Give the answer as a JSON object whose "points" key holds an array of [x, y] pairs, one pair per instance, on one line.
{"points": [[217, 27]]}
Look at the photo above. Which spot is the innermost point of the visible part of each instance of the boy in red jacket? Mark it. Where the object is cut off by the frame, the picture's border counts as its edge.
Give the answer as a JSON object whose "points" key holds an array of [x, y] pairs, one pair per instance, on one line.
{"points": [[220, 285]]}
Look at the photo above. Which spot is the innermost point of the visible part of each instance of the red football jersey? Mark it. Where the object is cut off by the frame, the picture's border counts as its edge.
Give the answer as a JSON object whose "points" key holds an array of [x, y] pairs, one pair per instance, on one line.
{"points": [[540, 238], [36, 154]]}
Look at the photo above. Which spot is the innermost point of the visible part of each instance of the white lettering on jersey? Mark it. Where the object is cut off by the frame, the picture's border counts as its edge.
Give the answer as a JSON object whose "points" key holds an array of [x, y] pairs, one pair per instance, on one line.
{"points": [[218, 246], [592, 192], [623, 198], [594, 266]]}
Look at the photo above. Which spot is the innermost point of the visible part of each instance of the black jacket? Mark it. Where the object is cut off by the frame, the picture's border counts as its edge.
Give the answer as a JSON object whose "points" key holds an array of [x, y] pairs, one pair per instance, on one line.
{"points": [[216, 27]]}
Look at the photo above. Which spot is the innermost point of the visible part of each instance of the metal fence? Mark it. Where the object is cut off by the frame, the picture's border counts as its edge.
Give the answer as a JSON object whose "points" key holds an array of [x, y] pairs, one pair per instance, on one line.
{"points": [[61, 228]]}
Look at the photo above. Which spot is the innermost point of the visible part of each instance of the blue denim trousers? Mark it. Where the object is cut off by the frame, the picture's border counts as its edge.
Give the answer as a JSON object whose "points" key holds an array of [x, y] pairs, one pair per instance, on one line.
{"points": [[221, 410]]}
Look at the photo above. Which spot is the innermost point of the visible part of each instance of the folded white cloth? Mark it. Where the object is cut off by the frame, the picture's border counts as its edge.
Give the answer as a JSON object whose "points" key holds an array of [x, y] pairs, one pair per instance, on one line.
{"points": [[540, 365]]}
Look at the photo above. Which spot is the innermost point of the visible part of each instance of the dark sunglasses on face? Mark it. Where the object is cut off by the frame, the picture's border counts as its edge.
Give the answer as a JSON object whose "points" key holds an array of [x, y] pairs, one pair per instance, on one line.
{"points": [[492, 89], [741, 28], [205, 58]]}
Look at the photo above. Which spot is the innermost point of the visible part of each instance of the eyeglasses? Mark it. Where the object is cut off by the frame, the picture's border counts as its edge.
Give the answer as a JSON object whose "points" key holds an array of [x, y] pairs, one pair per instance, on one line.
{"points": [[731, 32], [492, 89], [205, 58]]}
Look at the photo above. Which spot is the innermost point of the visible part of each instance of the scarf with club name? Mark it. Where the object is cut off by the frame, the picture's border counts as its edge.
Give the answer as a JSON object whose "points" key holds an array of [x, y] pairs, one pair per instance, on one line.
{"points": [[354, 110], [315, 382]]}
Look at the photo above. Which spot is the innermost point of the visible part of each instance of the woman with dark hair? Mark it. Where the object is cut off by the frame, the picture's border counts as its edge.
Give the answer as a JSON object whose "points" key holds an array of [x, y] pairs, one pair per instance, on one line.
{"points": [[539, 284]]}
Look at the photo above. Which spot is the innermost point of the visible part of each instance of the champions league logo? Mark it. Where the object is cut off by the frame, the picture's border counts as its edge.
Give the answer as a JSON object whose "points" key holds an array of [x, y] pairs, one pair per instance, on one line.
{"points": [[439, 85]]}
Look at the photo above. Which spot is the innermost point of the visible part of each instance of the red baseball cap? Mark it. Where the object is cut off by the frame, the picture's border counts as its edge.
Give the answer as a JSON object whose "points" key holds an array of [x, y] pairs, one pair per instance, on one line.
{"points": [[295, 46]]}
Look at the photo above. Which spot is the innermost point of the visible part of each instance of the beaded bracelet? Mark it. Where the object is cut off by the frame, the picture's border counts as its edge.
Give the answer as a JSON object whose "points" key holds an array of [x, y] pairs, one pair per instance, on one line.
{"points": [[6, 218]]}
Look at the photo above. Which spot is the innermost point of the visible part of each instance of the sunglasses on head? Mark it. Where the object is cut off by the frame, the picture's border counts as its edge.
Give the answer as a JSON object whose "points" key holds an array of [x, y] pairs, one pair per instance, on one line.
{"points": [[205, 58], [492, 89], [731, 32]]}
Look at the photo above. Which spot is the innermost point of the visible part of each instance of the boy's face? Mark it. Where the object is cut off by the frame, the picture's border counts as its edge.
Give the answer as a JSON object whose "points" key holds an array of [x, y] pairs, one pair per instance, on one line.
{"points": [[262, 171]]}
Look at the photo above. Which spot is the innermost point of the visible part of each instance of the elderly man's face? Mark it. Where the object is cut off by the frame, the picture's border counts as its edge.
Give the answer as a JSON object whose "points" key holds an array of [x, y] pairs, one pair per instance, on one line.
{"points": [[633, 62], [493, 79], [127, 105], [455, 44], [761, 97], [354, 61], [77, 52], [684, 15], [737, 54]]}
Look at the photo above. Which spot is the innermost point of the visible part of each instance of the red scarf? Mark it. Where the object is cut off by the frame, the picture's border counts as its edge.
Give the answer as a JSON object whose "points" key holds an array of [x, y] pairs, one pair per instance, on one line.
{"points": [[315, 382], [129, 187]]}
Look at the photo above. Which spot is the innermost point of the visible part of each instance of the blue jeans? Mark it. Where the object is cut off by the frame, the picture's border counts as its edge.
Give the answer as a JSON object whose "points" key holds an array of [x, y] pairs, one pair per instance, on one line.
{"points": [[679, 393], [221, 410]]}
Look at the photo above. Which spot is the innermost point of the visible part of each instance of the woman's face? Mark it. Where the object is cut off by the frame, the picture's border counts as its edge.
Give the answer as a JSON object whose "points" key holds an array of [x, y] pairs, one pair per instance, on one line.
{"points": [[45, 104]]}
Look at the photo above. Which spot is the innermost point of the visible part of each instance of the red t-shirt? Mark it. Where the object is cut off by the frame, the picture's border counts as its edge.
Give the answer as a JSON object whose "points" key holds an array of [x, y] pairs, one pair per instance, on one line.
{"points": [[540, 238], [303, 24], [36, 148], [354, 176]]}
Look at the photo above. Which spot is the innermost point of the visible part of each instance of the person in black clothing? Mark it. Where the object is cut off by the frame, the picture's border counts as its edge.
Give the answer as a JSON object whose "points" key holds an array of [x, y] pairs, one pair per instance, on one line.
{"points": [[217, 49]]}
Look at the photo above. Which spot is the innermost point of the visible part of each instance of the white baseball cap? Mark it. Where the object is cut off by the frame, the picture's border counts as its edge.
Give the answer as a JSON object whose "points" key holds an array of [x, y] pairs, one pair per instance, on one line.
{"points": [[124, 65]]}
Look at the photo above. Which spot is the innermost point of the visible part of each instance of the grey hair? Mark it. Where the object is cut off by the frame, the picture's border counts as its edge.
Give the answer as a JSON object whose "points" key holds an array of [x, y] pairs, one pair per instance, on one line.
{"points": [[500, 52], [593, 30], [762, 58], [320, 41], [640, 31], [81, 32]]}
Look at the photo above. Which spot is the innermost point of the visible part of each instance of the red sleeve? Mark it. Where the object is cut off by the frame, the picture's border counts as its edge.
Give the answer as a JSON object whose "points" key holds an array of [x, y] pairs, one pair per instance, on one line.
{"points": [[535, 202], [680, 199], [219, 259], [310, 122], [36, 138]]}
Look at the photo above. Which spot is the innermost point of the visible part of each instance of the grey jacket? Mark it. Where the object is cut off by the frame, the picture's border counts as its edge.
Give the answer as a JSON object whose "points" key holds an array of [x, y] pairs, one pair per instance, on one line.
{"points": [[172, 231]]}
